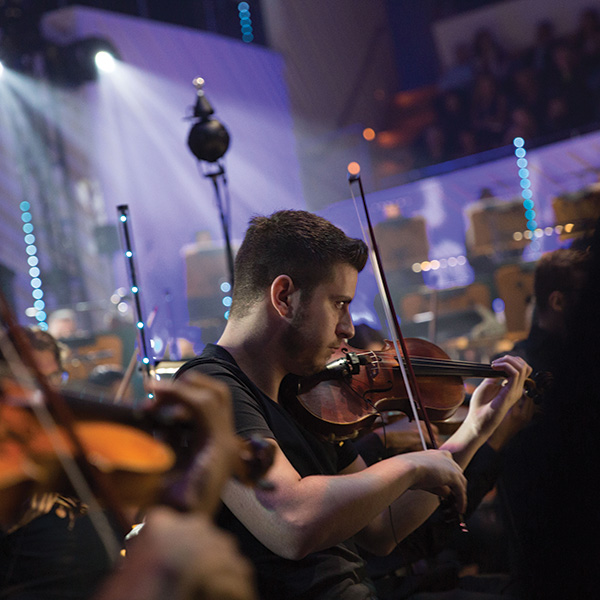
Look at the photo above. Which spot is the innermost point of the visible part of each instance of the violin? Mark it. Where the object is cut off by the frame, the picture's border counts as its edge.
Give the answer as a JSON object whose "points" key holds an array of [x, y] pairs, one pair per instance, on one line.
{"points": [[139, 453], [351, 393]]}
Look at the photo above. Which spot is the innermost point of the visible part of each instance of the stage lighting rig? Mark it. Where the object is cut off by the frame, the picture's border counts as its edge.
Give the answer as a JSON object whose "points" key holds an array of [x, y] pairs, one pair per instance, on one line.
{"points": [[78, 62]]}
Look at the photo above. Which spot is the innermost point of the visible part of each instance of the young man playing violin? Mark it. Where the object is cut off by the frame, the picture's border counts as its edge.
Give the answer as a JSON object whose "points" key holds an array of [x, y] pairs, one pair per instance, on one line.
{"points": [[295, 277]]}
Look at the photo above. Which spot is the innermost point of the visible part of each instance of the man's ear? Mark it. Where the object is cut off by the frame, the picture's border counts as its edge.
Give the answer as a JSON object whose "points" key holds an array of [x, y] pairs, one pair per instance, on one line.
{"points": [[556, 301], [283, 295]]}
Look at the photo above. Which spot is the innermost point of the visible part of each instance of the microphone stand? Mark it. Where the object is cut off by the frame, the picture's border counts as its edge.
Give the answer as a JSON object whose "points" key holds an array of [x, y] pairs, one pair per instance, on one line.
{"points": [[209, 140], [219, 181]]}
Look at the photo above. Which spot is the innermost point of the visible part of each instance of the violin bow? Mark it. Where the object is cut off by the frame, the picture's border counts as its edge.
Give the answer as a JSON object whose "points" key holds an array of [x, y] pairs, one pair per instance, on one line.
{"points": [[406, 367], [78, 468]]}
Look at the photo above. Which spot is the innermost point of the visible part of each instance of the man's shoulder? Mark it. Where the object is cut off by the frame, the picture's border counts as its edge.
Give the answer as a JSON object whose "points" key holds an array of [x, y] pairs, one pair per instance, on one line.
{"points": [[213, 359]]}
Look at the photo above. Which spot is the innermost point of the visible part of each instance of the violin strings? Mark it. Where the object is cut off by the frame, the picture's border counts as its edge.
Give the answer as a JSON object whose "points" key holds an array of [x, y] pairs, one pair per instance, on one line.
{"points": [[446, 367]]}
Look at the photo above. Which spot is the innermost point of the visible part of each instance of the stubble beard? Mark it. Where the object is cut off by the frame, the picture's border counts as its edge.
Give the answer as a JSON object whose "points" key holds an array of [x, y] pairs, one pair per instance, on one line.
{"points": [[302, 345]]}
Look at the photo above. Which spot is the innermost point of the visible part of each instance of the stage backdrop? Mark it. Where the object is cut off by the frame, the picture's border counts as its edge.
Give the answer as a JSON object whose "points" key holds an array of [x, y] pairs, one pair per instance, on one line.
{"points": [[124, 139]]}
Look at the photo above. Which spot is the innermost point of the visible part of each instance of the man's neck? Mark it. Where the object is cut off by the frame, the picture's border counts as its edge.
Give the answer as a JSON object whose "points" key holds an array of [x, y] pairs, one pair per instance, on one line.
{"points": [[257, 353]]}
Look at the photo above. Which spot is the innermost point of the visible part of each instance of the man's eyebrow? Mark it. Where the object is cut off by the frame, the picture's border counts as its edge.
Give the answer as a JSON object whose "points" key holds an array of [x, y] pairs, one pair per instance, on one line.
{"points": [[347, 299]]}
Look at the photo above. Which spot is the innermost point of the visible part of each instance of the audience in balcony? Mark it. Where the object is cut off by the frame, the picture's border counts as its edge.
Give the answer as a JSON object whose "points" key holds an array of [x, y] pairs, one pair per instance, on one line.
{"points": [[490, 95]]}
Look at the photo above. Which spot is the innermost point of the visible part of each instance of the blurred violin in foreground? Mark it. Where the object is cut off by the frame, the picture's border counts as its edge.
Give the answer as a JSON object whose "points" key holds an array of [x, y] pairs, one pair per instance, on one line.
{"points": [[138, 453], [350, 394]]}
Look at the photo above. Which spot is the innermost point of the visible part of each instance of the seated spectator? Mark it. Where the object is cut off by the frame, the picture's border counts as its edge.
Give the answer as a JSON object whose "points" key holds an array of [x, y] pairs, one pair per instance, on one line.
{"points": [[522, 123], [567, 79], [453, 117], [488, 112], [556, 117], [460, 75], [525, 90], [539, 55], [488, 56], [587, 40]]}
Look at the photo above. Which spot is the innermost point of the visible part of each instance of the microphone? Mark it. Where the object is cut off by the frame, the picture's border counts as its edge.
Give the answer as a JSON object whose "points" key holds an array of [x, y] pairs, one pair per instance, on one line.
{"points": [[208, 139]]}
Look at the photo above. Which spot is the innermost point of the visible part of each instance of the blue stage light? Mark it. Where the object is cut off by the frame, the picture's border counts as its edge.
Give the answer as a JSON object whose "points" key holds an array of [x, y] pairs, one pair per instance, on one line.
{"points": [[498, 305], [245, 22], [528, 203]]}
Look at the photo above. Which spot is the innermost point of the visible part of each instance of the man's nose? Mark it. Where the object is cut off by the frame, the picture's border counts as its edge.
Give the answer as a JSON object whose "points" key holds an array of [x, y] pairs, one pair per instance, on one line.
{"points": [[345, 327]]}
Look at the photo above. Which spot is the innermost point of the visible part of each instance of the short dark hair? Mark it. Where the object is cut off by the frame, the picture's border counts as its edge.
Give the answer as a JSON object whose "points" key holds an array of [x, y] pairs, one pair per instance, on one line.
{"points": [[296, 243], [560, 270]]}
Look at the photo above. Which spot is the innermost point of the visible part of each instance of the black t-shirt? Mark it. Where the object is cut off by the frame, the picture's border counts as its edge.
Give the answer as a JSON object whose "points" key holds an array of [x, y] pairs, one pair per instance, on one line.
{"points": [[336, 572]]}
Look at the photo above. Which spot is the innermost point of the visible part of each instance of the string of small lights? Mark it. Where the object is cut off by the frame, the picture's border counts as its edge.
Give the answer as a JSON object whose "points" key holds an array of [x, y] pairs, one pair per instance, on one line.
{"points": [[526, 193], [443, 263], [227, 300], [37, 310], [123, 212], [245, 22]]}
